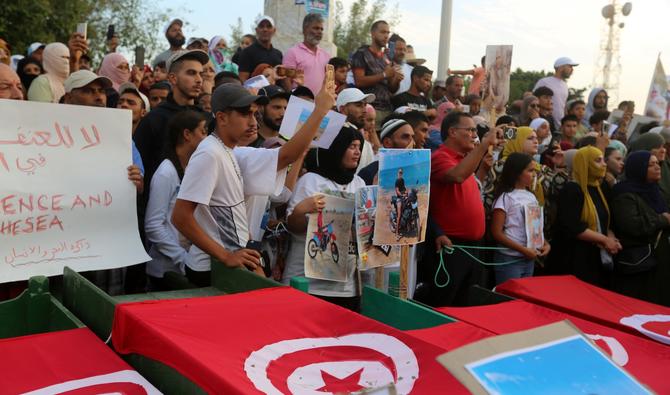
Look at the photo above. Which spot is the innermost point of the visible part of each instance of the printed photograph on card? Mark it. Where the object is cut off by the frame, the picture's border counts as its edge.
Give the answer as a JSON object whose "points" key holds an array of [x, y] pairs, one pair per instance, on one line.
{"points": [[327, 243], [498, 68], [371, 255], [297, 112], [402, 197], [534, 226]]}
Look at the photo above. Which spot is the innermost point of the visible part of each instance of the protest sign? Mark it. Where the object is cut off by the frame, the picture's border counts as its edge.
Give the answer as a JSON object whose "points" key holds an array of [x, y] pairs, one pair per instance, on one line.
{"points": [[658, 98], [402, 199], [65, 197], [371, 255], [554, 358], [534, 218], [327, 244], [498, 68], [297, 112]]}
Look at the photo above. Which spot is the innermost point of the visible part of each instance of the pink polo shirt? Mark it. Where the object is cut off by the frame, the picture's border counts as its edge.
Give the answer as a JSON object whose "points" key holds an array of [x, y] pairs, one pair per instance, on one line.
{"points": [[314, 64]]}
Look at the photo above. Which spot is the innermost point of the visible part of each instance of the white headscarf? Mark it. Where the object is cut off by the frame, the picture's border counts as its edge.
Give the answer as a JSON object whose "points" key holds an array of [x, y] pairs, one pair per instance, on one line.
{"points": [[55, 61]]}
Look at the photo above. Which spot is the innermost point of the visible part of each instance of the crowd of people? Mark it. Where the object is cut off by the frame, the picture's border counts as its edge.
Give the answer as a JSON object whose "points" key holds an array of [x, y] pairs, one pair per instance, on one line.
{"points": [[214, 177]]}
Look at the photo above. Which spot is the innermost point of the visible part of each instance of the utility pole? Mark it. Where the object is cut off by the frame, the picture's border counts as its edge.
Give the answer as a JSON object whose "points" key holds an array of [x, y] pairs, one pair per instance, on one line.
{"points": [[445, 40]]}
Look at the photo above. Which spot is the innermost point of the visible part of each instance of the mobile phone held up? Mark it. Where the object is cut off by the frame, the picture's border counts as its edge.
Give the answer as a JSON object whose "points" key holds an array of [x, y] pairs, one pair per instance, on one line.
{"points": [[139, 56], [110, 32], [82, 28]]}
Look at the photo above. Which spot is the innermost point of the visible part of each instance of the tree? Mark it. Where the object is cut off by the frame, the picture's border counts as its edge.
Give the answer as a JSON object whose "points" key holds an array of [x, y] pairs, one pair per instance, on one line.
{"points": [[521, 81], [25, 21], [236, 34], [349, 35]]}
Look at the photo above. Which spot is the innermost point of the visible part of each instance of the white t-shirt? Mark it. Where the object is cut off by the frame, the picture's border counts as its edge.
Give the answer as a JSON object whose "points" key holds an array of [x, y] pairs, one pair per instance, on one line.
{"points": [[513, 203], [309, 185], [560, 89], [169, 249], [214, 180]]}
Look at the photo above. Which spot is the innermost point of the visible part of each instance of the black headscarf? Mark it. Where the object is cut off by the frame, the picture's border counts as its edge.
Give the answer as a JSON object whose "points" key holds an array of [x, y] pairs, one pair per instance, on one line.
{"points": [[26, 79], [637, 164], [329, 161]]}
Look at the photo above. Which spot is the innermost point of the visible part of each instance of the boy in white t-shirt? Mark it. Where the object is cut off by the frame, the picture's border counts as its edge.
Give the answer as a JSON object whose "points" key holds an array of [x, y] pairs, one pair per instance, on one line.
{"points": [[210, 209]]}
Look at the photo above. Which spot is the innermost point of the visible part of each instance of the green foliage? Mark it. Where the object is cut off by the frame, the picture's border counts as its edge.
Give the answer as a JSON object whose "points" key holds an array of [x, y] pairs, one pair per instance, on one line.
{"points": [[136, 22], [522, 81], [353, 32], [236, 33], [575, 93]]}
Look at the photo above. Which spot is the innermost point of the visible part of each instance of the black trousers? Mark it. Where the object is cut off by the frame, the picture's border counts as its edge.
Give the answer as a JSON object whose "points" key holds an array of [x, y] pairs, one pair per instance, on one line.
{"points": [[201, 279], [463, 272]]}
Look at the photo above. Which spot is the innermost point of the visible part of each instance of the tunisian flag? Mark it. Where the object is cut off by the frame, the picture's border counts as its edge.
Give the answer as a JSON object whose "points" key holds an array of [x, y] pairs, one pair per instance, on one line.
{"points": [[278, 341], [72, 362], [573, 296], [452, 335], [647, 360]]}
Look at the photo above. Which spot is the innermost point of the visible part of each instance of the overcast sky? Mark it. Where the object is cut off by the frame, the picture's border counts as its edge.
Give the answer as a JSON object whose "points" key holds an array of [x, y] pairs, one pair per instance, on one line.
{"points": [[539, 33]]}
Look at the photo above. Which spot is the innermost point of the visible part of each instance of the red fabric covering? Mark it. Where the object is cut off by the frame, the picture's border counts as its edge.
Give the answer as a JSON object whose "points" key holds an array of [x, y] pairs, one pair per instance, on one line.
{"points": [[278, 340], [451, 336], [74, 360], [647, 360], [575, 297]]}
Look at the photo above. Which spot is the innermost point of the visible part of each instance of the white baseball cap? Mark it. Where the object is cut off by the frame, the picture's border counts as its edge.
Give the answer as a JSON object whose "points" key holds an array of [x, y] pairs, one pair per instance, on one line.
{"points": [[265, 18], [564, 61], [130, 87], [81, 78], [353, 95]]}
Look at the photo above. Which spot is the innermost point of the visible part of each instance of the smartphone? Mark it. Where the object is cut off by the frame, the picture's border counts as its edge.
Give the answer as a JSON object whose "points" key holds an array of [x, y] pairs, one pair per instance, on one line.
{"points": [[110, 32], [330, 76], [509, 133], [391, 52], [81, 29], [139, 56]]}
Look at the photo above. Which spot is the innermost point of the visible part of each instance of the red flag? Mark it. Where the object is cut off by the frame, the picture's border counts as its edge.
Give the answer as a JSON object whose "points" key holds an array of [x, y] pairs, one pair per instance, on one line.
{"points": [[573, 296], [66, 362], [451, 336], [648, 361], [278, 341]]}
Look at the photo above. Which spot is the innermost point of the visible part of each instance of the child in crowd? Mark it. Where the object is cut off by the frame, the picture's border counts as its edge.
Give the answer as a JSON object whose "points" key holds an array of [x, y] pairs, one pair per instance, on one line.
{"points": [[508, 226], [169, 249], [341, 67], [160, 72]]}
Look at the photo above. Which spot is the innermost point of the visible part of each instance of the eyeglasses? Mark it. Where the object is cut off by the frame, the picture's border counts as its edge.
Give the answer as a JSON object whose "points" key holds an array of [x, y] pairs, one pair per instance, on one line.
{"points": [[471, 130]]}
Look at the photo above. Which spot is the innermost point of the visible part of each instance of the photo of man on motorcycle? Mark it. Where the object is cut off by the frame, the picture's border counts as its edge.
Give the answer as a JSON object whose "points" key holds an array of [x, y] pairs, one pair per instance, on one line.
{"points": [[400, 193]]}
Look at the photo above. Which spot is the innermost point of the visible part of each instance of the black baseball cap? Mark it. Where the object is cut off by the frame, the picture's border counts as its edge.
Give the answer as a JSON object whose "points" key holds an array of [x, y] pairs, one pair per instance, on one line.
{"points": [[234, 96], [273, 92]]}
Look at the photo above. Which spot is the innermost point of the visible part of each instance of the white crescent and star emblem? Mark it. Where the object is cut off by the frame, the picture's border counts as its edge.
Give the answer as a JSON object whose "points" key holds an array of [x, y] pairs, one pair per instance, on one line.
{"points": [[637, 322], [127, 382], [387, 360], [617, 350]]}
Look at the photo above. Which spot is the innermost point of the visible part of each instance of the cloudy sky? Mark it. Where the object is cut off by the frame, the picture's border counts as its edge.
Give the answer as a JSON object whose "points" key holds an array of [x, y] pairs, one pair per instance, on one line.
{"points": [[540, 31]]}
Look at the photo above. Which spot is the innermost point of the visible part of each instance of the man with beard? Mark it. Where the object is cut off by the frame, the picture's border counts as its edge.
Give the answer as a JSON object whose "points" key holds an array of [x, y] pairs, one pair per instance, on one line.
{"points": [[261, 51], [175, 37], [396, 133], [415, 98], [184, 68], [563, 68], [374, 72], [351, 102], [271, 114], [307, 55]]}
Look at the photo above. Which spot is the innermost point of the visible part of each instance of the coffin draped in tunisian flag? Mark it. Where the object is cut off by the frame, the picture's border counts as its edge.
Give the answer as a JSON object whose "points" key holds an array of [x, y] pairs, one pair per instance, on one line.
{"points": [[647, 360], [278, 341], [452, 335], [575, 297], [72, 362]]}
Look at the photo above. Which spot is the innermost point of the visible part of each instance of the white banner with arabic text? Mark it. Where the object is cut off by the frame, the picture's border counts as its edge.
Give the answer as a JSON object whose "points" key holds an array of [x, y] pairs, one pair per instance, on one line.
{"points": [[65, 197]]}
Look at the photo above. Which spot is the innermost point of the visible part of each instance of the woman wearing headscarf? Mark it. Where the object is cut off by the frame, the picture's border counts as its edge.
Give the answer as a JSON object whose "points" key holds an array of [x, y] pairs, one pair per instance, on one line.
{"points": [[28, 69], [49, 87], [115, 67], [583, 243], [221, 55], [331, 169], [530, 109], [656, 143], [642, 222], [543, 132]]}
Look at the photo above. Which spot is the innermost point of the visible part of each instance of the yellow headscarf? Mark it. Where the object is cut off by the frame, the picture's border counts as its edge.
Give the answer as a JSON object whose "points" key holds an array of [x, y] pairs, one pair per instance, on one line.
{"points": [[586, 173], [516, 145]]}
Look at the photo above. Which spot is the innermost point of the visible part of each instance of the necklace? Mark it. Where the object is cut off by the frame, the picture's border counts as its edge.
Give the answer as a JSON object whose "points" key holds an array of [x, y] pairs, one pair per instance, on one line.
{"points": [[230, 156]]}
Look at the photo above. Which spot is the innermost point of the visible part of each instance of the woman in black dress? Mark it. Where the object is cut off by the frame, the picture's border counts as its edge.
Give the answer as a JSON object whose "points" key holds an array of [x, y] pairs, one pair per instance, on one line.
{"points": [[583, 243]]}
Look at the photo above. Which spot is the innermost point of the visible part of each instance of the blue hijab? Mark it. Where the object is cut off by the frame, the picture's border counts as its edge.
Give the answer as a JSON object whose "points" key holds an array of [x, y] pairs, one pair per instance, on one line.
{"points": [[637, 164]]}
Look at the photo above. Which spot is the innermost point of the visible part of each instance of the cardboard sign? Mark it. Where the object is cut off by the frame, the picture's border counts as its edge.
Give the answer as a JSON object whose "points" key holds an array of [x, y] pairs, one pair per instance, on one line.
{"points": [[371, 255], [554, 358], [65, 197]]}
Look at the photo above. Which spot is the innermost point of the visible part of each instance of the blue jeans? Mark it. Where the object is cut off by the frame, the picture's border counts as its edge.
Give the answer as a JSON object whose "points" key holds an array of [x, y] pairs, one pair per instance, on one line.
{"points": [[522, 268]]}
